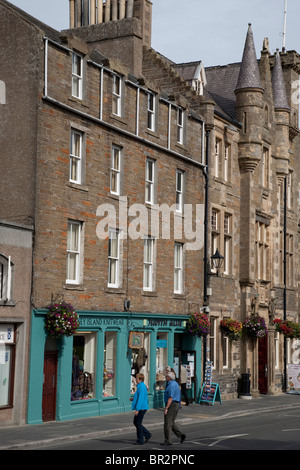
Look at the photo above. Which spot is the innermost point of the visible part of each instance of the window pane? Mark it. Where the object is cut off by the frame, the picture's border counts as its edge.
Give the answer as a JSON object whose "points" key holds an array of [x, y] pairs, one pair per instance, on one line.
{"points": [[77, 76], [148, 250], [149, 174], [73, 244], [113, 245], [83, 366], [110, 364], [73, 237]]}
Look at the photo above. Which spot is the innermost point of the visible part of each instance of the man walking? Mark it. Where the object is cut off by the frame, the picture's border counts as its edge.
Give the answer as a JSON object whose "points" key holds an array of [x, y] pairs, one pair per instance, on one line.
{"points": [[140, 405], [172, 404], [183, 377]]}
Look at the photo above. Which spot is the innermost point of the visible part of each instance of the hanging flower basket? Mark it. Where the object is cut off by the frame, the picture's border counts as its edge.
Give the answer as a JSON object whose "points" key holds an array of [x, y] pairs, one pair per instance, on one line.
{"points": [[232, 328], [61, 320], [255, 327], [287, 328], [198, 324]]}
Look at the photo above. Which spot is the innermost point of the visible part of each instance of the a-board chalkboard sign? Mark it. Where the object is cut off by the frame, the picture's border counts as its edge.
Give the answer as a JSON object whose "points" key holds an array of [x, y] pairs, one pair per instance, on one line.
{"points": [[210, 394]]}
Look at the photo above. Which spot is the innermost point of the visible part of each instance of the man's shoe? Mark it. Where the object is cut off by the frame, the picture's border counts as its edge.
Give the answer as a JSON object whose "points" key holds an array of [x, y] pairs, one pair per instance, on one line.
{"points": [[147, 438], [166, 443], [182, 438], [139, 443]]}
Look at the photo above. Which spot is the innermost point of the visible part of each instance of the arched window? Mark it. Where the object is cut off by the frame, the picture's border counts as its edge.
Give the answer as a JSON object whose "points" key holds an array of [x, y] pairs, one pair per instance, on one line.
{"points": [[6, 278]]}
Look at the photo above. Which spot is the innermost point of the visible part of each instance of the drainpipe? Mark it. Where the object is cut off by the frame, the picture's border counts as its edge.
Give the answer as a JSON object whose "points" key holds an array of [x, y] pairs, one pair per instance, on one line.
{"points": [[284, 281], [205, 259]]}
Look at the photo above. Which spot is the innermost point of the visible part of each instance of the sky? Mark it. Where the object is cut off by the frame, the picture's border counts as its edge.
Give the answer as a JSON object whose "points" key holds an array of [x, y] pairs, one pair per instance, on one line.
{"points": [[212, 31]]}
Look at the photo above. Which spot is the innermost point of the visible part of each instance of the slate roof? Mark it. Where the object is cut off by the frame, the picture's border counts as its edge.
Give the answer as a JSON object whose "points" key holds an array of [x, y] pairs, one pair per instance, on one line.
{"points": [[221, 83], [249, 73], [279, 91]]}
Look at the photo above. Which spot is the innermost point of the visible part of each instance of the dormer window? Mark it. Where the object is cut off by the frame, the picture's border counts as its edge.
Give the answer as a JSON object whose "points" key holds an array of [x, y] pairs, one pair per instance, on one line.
{"points": [[6, 277]]}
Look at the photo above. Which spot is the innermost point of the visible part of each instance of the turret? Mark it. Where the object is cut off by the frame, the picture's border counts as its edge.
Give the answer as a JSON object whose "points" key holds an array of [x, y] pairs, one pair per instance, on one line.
{"points": [[282, 118], [249, 93]]}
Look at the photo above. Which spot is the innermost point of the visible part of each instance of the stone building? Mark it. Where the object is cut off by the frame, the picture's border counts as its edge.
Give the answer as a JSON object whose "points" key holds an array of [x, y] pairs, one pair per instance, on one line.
{"points": [[139, 170], [113, 158], [254, 221]]}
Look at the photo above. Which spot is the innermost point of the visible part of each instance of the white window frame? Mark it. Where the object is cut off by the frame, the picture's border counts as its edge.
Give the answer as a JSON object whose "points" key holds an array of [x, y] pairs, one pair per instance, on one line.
{"points": [[117, 95], [180, 126], [74, 158], [114, 259], [6, 277], [74, 252], [150, 181], [115, 170], [151, 103], [179, 190], [148, 268], [178, 268], [77, 76]]}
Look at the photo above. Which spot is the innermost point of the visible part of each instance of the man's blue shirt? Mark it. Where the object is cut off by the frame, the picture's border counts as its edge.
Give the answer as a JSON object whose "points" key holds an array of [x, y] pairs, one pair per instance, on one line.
{"points": [[140, 399], [172, 390]]}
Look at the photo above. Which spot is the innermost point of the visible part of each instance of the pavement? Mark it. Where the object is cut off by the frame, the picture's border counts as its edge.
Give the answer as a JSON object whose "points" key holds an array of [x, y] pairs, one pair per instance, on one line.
{"points": [[26, 437]]}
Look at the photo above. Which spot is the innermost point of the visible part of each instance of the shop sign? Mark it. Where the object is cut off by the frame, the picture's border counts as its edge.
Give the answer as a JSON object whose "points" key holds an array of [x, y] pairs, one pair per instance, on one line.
{"points": [[164, 322], [136, 339], [161, 343], [95, 321], [6, 333]]}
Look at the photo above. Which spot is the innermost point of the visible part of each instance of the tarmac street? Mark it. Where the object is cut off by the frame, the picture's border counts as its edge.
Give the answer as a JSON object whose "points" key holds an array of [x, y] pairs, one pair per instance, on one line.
{"points": [[54, 433], [51, 434]]}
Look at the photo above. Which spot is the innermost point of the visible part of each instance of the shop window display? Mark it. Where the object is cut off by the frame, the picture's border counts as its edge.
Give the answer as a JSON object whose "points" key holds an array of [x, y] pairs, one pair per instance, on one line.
{"points": [[140, 363], [83, 367], [110, 362], [161, 360]]}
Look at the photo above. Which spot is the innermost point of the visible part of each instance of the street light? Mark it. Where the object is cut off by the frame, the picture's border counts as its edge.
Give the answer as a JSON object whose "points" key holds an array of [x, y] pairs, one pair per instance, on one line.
{"points": [[216, 262]]}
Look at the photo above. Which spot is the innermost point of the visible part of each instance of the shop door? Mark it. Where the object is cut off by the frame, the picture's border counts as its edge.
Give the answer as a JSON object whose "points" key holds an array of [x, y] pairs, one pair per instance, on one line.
{"points": [[49, 386], [187, 359], [263, 365]]}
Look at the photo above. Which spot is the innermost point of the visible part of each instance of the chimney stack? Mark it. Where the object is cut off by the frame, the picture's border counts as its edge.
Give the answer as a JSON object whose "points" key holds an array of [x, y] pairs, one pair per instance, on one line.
{"points": [[89, 12]]}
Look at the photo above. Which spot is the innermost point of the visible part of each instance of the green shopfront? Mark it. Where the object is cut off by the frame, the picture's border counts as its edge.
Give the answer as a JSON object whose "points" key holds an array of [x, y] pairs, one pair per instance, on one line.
{"points": [[92, 373]]}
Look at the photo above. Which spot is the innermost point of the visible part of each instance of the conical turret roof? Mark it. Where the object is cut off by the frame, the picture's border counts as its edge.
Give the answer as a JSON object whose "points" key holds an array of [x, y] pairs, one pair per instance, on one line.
{"points": [[249, 73], [279, 91]]}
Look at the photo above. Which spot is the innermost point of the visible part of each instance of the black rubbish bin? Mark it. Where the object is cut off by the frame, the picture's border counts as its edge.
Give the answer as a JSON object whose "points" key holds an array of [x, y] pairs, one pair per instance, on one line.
{"points": [[245, 386]]}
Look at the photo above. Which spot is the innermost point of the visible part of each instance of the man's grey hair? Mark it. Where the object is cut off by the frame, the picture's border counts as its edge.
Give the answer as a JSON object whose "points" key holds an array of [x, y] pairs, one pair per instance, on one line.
{"points": [[171, 375]]}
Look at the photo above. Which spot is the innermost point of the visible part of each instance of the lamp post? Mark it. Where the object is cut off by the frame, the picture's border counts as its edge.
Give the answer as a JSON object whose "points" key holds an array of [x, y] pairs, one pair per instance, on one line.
{"points": [[216, 264]]}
